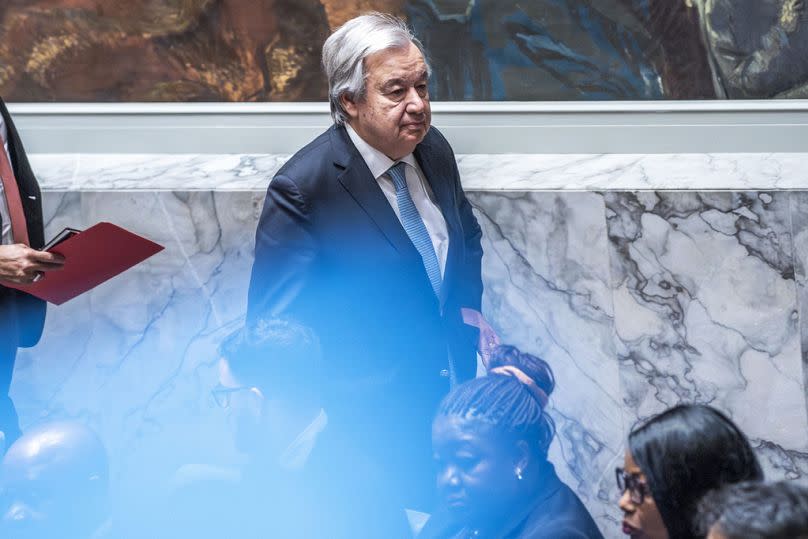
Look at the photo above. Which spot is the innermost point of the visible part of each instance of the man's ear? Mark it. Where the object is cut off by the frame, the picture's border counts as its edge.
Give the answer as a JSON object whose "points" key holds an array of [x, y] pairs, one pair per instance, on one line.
{"points": [[349, 105]]}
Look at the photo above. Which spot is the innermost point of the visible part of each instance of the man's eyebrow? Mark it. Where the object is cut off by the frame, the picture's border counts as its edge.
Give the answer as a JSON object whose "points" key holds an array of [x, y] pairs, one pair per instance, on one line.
{"points": [[401, 81], [388, 84]]}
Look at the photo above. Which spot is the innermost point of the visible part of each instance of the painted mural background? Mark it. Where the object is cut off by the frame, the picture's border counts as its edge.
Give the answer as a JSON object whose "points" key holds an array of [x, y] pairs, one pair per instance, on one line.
{"points": [[269, 50]]}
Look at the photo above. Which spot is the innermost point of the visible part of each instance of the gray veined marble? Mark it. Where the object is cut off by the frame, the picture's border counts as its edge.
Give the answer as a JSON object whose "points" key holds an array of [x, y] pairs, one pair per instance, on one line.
{"points": [[155, 172], [136, 357], [548, 292], [509, 172], [799, 226], [706, 311]]}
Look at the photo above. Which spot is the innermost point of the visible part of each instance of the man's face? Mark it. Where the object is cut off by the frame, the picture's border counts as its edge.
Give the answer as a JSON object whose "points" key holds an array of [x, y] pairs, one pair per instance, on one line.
{"points": [[394, 116]]}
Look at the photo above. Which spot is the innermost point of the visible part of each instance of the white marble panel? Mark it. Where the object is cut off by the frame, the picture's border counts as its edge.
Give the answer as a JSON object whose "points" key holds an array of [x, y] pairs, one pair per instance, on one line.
{"points": [[706, 311], [799, 224], [488, 172], [634, 172], [155, 172], [548, 292], [136, 357]]}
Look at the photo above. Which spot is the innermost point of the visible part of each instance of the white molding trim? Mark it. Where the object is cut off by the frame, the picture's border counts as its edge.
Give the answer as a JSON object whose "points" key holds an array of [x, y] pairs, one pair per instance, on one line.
{"points": [[478, 107], [472, 127]]}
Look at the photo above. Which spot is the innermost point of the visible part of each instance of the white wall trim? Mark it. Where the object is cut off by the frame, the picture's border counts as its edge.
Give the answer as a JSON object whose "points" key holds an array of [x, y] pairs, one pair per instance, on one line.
{"points": [[478, 107], [472, 127]]}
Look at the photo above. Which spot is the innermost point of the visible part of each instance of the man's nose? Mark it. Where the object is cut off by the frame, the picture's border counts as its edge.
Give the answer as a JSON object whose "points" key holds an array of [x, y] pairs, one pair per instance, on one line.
{"points": [[416, 104]]}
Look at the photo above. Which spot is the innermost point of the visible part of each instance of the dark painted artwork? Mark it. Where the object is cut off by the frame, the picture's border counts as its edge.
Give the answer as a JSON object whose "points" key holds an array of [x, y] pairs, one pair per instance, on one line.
{"points": [[269, 50]]}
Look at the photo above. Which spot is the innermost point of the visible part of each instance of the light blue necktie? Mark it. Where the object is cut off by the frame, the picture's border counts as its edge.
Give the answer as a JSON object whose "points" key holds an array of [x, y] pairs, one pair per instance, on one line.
{"points": [[414, 225]]}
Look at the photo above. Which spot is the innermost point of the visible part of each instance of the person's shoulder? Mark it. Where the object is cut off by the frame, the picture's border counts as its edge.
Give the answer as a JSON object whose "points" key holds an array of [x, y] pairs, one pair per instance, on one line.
{"points": [[561, 516], [435, 140], [312, 158], [560, 526]]}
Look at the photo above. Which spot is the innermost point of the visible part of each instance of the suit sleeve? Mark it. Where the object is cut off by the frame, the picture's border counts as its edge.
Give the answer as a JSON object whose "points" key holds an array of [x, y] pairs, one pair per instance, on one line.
{"points": [[29, 310], [472, 282], [284, 252]]}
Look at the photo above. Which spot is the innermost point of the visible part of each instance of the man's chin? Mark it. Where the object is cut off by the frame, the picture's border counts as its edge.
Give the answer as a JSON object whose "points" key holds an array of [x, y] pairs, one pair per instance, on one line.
{"points": [[415, 130], [410, 138]]}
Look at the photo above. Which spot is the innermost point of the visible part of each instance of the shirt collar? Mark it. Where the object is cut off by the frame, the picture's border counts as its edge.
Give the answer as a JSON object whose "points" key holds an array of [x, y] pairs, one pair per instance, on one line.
{"points": [[294, 457], [377, 162]]}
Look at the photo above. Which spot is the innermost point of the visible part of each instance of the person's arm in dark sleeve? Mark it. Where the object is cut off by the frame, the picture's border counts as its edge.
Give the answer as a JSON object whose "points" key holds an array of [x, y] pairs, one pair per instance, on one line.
{"points": [[471, 306], [284, 252], [472, 280]]}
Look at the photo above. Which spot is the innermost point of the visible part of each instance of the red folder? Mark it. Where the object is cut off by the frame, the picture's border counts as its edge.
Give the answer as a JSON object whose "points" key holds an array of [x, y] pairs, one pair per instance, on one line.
{"points": [[91, 257]]}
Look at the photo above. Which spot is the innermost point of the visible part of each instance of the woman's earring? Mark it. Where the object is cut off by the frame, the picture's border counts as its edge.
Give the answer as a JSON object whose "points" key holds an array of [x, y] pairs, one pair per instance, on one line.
{"points": [[519, 473]]}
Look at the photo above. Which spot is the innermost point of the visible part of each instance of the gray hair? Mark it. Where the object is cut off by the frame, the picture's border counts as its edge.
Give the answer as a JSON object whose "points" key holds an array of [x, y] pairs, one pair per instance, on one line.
{"points": [[344, 54]]}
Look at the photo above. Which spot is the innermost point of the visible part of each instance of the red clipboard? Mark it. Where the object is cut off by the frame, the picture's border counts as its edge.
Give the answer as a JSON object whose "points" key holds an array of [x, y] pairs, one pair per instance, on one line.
{"points": [[92, 257]]}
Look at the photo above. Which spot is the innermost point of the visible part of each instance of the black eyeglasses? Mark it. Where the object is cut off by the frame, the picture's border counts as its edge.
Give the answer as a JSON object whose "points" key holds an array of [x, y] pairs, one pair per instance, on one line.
{"points": [[637, 489], [222, 394]]}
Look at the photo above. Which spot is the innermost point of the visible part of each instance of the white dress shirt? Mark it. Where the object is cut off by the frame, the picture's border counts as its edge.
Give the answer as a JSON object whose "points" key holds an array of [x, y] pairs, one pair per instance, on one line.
{"points": [[421, 194], [6, 237]]}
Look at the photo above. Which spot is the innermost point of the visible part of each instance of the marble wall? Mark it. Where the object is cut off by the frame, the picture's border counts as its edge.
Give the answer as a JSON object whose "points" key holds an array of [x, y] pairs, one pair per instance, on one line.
{"points": [[644, 299], [639, 297]]}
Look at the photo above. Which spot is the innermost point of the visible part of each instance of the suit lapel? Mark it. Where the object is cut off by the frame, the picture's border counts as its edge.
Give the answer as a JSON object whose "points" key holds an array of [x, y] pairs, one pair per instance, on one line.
{"points": [[438, 175], [29, 189], [357, 179]]}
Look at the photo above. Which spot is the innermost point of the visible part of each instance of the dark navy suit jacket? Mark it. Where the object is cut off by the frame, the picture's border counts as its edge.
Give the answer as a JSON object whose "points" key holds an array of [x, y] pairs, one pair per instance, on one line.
{"points": [[331, 253], [25, 313]]}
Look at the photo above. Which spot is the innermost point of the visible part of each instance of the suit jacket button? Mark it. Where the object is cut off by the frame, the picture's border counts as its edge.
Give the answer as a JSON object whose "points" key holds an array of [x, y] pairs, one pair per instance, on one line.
{"points": [[444, 373]]}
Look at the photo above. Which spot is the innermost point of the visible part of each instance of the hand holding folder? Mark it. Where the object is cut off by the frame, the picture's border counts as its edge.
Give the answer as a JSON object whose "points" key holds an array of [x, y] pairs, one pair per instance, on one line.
{"points": [[91, 257]]}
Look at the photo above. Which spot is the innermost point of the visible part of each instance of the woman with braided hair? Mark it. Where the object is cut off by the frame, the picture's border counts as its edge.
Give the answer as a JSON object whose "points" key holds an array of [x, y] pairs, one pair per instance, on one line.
{"points": [[490, 438]]}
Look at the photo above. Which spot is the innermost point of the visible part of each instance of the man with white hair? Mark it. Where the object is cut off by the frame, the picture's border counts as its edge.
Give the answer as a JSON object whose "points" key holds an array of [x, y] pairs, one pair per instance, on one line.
{"points": [[367, 237]]}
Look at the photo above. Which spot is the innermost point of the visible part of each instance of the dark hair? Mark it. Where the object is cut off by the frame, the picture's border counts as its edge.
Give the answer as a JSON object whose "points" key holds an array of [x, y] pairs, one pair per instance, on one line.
{"points": [[685, 452], [506, 403], [278, 353], [755, 510]]}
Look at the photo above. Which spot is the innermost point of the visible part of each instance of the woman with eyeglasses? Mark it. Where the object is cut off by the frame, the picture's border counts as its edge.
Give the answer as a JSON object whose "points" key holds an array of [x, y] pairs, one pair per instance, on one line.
{"points": [[673, 460], [490, 439]]}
